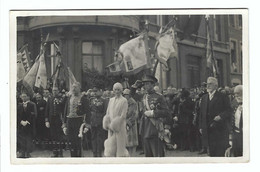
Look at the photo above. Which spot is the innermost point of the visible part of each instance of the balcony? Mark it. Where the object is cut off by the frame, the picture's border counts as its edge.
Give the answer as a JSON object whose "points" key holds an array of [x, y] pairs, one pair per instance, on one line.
{"points": [[128, 22]]}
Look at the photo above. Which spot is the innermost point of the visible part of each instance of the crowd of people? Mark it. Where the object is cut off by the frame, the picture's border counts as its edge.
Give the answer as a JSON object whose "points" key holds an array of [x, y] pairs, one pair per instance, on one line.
{"points": [[206, 119]]}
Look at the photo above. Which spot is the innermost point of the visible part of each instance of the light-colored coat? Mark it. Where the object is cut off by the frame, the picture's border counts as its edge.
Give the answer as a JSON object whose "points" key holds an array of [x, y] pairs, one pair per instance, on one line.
{"points": [[115, 122]]}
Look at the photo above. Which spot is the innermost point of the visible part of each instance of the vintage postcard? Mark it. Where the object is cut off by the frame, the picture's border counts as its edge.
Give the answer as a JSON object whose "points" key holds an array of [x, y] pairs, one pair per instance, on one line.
{"points": [[129, 86]]}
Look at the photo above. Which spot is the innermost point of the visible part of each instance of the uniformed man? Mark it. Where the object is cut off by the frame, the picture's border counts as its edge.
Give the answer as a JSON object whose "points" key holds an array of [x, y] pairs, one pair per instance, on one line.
{"points": [[26, 114], [98, 107], [75, 114], [53, 114], [154, 118]]}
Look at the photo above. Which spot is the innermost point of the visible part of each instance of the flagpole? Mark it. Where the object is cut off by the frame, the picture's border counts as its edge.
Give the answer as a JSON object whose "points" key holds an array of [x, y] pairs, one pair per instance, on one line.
{"points": [[24, 46], [215, 74], [156, 64], [206, 46]]}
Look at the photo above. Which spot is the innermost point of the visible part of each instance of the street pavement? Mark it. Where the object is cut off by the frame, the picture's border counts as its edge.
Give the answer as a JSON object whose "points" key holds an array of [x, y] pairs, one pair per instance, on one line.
{"points": [[88, 153]]}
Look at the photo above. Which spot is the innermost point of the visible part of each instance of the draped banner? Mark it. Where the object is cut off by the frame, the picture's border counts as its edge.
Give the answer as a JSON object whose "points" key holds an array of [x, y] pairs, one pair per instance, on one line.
{"points": [[132, 57], [166, 47], [23, 63], [41, 77]]}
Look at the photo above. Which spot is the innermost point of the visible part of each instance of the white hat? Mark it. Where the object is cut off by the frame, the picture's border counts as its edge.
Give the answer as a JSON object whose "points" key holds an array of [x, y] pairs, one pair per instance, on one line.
{"points": [[126, 92]]}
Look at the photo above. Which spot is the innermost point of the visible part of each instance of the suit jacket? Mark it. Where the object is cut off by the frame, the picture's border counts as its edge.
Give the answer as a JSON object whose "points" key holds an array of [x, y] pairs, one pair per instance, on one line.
{"points": [[215, 132], [41, 106], [26, 114], [209, 109], [54, 108], [186, 108]]}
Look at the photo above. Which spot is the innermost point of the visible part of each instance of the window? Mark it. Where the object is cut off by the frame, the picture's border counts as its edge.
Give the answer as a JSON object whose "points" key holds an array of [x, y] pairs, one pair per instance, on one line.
{"points": [[240, 21], [166, 20], [193, 66], [220, 72], [218, 27], [152, 19], [233, 55], [92, 56], [232, 20]]}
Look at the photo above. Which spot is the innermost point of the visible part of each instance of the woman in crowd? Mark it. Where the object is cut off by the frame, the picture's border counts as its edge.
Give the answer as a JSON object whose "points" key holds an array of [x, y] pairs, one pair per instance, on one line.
{"points": [[185, 118], [115, 122], [131, 124]]}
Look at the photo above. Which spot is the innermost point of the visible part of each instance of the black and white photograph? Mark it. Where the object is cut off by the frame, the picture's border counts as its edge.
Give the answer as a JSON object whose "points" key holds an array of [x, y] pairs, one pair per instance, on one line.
{"points": [[131, 86]]}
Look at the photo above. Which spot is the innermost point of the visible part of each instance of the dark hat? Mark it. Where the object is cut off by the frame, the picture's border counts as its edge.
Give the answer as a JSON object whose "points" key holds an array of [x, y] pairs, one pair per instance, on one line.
{"points": [[137, 84], [170, 95], [185, 93], [149, 78], [96, 86]]}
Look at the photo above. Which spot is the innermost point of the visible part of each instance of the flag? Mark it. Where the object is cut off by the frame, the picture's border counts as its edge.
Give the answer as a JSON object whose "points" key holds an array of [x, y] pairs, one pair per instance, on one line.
{"points": [[72, 79], [211, 61], [166, 47], [36, 76], [114, 68], [20, 68], [41, 77], [56, 57], [132, 56], [23, 62], [30, 77]]}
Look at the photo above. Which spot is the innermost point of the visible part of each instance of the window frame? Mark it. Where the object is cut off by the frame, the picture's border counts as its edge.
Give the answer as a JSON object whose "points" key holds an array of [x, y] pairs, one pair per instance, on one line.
{"points": [[102, 44], [236, 51]]}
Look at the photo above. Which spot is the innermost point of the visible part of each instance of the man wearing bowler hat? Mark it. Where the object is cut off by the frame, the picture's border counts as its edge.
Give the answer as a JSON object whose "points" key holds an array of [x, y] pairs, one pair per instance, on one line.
{"points": [[155, 115]]}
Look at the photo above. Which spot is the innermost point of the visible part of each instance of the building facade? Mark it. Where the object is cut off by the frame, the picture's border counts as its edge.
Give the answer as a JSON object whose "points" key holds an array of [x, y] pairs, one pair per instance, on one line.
{"points": [[236, 49], [89, 42]]}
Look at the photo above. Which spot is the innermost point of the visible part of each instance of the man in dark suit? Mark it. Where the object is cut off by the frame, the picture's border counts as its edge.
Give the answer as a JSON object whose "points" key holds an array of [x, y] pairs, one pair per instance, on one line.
{"points": [[236, 134], [26, 114], [155, 116], [41, 130], [215, 113]]}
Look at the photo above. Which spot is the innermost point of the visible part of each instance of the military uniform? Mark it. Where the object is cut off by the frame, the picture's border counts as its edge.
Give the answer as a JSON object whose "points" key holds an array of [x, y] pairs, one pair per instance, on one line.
{"points": [[53, 114], [75, 115], [98, 108], [152, 128]]}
